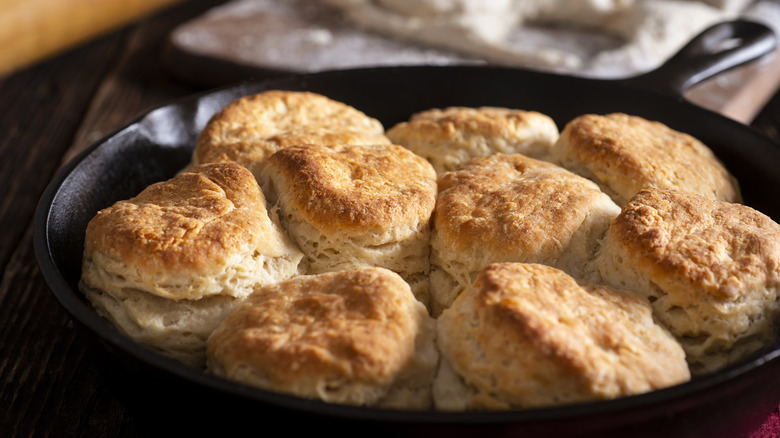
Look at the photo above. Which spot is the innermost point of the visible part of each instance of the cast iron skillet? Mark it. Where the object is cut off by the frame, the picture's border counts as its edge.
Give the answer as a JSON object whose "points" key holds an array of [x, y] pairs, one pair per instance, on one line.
{"points": [[159, 143]]}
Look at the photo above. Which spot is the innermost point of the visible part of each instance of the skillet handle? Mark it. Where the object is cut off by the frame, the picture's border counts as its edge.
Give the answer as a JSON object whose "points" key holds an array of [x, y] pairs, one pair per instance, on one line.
{"points": [[715, 50]]}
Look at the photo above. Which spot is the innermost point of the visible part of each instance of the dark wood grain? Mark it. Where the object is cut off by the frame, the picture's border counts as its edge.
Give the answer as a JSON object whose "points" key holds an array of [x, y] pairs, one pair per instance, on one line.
{"points": [[137, 83], [54, 380], [42, 110]]}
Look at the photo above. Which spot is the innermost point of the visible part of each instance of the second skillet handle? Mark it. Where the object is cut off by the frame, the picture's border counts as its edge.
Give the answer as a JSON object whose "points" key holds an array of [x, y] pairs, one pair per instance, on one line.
{"points": [[715, 50]]}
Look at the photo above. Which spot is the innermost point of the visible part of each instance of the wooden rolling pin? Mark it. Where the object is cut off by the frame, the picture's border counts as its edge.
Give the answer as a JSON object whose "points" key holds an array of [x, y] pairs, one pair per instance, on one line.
{"points": [[31, 30]]}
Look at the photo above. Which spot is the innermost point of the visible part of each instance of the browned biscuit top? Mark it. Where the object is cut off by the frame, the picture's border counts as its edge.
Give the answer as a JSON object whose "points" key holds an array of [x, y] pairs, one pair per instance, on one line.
{"points": [[512, 202], [535, 335], [343, 186], [628, 153], [355, 325], [451, 136], [722, 248], [191, 223], [251, 128], [487, 121]]}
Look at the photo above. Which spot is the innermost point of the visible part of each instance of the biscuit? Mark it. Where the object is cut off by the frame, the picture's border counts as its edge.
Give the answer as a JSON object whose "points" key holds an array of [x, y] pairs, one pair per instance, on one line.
{"points": [[528, 335], [511, 208], [350, 206], [165, 261], [711, 270], [251, 128], [176, 329], [624, 154], [449, 137], [354, 337]]}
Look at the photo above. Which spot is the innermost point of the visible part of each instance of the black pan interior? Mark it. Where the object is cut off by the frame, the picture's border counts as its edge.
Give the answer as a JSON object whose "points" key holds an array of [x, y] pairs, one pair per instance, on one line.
{"points": [[158, 144]]}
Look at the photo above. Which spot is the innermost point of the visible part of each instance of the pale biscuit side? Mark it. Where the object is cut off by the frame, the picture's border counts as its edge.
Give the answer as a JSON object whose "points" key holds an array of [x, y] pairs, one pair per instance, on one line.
{"points": [[177, 329]]}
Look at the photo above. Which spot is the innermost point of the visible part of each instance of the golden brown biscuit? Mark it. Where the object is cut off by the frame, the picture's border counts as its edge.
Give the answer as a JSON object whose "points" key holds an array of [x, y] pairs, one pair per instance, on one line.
{"points": [[624, 154], [152, 263], [511, 208], [349, 206], [449, 137], [710, 268], [526, 335], [251, 128], [355, 337]]}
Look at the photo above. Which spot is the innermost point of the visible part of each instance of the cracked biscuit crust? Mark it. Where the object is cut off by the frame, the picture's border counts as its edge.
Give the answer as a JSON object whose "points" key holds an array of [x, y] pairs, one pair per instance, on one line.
{"points": [[344, 187], [451, 136], [624, 154], [250, 129], [204, 232], [351, 337], [511, 208], [710, 268], [529, 335]]}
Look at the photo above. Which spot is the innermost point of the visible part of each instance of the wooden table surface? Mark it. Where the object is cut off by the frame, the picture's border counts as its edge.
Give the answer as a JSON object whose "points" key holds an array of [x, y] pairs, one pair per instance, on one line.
{"points": [[54, 379]]}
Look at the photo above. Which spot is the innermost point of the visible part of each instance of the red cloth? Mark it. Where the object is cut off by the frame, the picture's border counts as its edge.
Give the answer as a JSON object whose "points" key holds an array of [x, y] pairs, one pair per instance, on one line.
{"points": [[770, 428]]}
